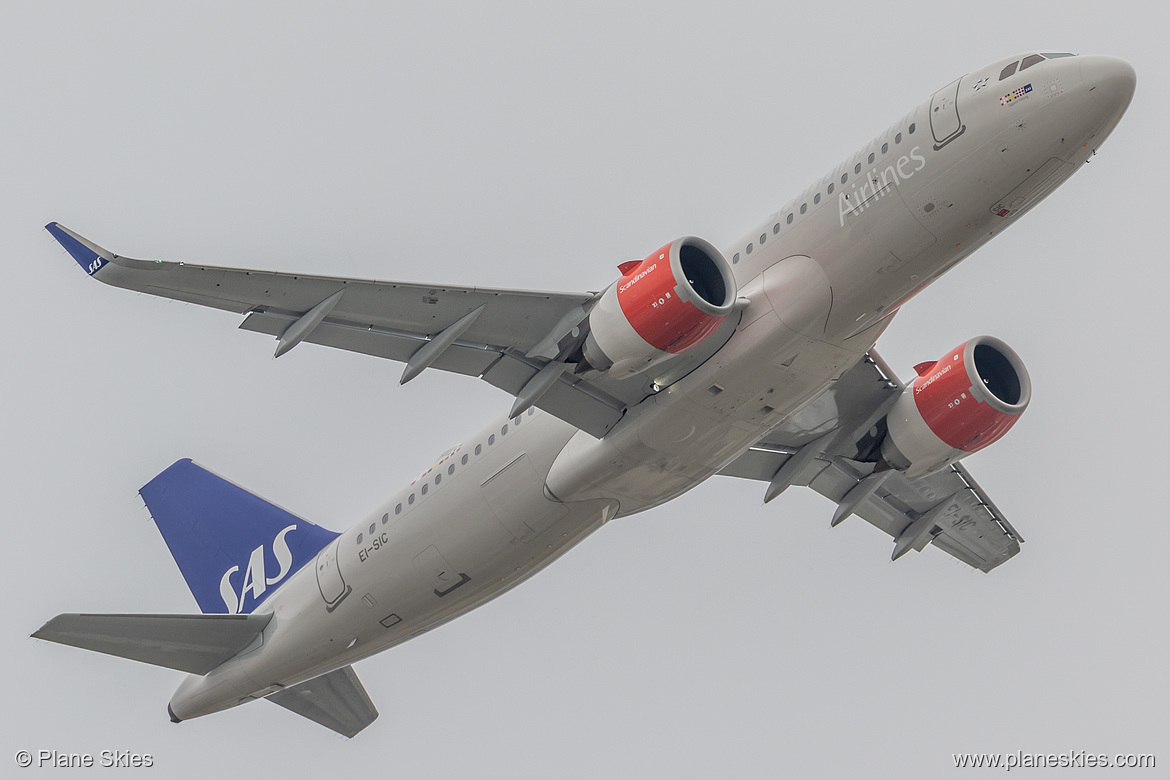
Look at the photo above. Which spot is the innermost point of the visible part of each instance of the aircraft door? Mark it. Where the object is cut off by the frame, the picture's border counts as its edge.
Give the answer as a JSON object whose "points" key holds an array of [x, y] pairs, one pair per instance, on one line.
{"points": [[945, 123], [329, 580]]}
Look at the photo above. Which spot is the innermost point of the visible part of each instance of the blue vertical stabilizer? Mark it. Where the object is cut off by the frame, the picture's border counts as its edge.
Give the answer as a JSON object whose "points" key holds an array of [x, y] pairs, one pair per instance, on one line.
{"points": [[234, 548]]}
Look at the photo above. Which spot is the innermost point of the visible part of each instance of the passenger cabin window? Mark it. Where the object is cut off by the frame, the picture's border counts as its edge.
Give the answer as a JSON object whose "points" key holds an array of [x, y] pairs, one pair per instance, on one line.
{"points": [[1010, 70], [1031, 60]]}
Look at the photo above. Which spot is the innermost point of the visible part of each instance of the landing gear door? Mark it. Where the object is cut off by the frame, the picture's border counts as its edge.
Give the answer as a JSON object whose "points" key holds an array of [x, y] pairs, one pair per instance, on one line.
{"points": [[945, 123], [329, 579]]}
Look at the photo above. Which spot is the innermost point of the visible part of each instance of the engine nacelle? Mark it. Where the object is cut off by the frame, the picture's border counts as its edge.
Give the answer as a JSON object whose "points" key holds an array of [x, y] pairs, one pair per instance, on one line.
{"points": [[956, 406], [660, 307]]}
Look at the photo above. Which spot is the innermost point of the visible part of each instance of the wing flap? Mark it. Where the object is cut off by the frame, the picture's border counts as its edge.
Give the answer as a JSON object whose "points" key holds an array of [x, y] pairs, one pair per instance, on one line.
{"points": [[224, 302], [337, 701], [468, 359], [574, 401], [188, 643]]}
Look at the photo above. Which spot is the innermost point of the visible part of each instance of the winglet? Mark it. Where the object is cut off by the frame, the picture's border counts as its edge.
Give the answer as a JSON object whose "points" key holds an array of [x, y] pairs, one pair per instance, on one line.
{"points": [[88, 255]]}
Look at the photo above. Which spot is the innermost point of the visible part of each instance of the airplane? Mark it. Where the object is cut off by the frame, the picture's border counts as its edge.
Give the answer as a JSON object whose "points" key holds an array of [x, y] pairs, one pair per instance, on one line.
{"points": [[755, 362]]}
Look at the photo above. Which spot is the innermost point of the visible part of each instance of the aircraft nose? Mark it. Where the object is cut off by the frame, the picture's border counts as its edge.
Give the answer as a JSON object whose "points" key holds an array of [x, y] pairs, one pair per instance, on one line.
{"points": [[1110, 81]]}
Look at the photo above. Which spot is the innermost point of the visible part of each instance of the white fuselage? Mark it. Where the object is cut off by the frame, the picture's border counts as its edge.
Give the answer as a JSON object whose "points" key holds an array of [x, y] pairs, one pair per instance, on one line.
{"points": [[818, 282]]}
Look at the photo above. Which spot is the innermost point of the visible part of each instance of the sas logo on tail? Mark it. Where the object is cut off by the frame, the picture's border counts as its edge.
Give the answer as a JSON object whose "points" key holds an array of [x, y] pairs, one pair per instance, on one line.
{"points": [[255, 580]]}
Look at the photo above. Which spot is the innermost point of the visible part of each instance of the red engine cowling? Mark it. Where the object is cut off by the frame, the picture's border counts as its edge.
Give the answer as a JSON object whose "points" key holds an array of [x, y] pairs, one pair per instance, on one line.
{"points": [[660, 307], [956, 406]]}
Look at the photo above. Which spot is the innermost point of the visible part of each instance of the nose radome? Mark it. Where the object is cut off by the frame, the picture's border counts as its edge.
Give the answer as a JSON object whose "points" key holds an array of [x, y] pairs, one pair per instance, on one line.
{"points": [[1109, 79]]}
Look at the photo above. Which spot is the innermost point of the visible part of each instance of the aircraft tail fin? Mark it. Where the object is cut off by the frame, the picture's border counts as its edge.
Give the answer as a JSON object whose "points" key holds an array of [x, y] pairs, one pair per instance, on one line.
{"points": [[189, 643], [233, 547], [336, 700]]}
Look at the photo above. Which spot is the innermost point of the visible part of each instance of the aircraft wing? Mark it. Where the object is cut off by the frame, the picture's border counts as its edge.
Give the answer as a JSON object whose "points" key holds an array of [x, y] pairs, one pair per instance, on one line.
{"points": [[829, 445], [504, 337]]}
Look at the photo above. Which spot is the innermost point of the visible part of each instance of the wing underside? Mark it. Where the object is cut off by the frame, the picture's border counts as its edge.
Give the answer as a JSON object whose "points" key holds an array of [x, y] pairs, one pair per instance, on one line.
{"points": [[827, 446], [505, 337]]}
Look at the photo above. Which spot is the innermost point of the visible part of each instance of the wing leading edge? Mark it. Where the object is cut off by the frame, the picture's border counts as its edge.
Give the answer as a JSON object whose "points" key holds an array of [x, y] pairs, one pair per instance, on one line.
{"points": [[824, 446]]}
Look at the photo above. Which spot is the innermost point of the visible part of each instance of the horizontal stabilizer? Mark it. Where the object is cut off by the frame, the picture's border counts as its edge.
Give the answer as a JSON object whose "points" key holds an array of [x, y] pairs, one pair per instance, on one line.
{"points": [[336, 700], [189, 643]]}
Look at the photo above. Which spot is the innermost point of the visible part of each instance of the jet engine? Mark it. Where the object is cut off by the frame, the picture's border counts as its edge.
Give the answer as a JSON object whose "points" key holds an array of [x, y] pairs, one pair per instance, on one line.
{"points": [[661, 306], [956, 406]]}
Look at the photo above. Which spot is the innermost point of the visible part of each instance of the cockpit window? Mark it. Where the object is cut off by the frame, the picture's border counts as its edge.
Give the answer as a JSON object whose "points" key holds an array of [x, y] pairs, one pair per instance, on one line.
{"points": [[1010, 70], [1030, 60], [1057, 55]]}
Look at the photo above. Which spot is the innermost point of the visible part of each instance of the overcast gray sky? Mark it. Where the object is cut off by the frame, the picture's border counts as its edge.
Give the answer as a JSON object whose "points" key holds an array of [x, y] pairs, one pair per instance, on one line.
{"points": [[533, 146]]}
